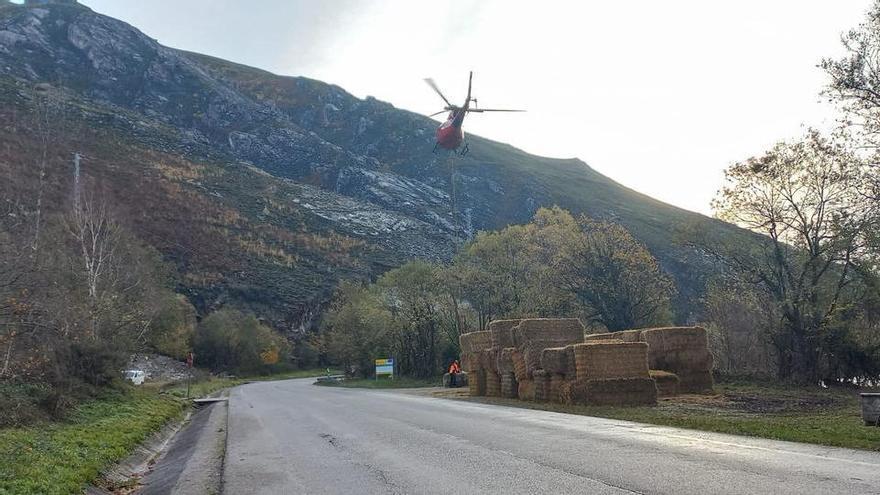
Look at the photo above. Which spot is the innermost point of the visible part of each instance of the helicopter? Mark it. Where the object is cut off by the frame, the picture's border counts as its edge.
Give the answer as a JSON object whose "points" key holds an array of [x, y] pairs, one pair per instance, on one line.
{"points": [[450, 134]]}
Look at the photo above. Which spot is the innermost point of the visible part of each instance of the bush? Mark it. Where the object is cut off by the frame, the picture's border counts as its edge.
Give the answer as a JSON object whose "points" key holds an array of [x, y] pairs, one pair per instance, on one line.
{"points": [[235, 341], [22, 403], [173, 327]]}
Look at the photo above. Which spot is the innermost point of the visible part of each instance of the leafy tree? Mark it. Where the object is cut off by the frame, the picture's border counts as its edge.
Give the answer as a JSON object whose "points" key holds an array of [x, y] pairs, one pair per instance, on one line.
{"points": [[616, 280], [173, 327], [802, 196], [356, 328], [232, 340]]}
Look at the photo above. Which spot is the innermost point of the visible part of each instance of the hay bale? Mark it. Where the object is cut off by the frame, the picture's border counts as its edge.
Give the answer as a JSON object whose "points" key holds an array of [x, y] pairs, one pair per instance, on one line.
{"points": [[477, 383], [598, 336], [474, 341], [509, 387], [501, 332], [536, 334], [614, 392], [493, 384], [601, 360], [556, 381], [555, 360], [565, 392], [683, 351], [628, 335], [542, 385], [667, 383], [505, 360], [526, 390], [470, 361], [519, 365], [489, 359]]}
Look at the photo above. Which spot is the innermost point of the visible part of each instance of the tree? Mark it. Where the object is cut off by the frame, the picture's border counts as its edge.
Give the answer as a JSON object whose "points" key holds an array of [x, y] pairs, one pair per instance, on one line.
{"points": [[356, 328], [802, 196], [616, 280], [412, 295], [231, 340], [741, 326]]}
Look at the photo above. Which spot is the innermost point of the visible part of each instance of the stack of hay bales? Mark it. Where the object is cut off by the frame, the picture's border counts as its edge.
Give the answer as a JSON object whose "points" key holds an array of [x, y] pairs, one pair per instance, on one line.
{"points": [[509, 386], [611, 373], [683, 351], [501, 332], [536, 334], [476, 383], [519, 365], [493, 384], [474, 357], [541, 379], [667, 383]]}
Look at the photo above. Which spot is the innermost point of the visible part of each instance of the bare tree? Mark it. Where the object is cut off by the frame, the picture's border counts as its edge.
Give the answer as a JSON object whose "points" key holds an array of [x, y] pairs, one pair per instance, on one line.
{"points": [[803, 197]]}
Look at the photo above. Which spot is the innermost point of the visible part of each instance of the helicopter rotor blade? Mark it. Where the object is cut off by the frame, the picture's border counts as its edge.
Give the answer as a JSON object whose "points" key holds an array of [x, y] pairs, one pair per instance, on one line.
{"points": [[480, 110], [437, 90], [437, 113]]}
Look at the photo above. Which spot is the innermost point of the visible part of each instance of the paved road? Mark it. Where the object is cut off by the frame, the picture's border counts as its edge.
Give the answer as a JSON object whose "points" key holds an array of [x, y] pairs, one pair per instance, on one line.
{"points": [[293, 437]]}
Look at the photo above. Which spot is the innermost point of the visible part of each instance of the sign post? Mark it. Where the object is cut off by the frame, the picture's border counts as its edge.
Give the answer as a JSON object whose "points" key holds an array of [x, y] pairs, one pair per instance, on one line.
{"points": [[190, 358], [385, 367]]}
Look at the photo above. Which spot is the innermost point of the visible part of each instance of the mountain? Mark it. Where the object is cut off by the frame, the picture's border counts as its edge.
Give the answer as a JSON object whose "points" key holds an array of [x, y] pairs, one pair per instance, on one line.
{"points": [[264, 191]]}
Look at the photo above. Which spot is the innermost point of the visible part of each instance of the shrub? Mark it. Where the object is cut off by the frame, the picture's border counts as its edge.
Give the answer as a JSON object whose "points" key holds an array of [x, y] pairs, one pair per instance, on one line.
{"points": [[232, 340]]}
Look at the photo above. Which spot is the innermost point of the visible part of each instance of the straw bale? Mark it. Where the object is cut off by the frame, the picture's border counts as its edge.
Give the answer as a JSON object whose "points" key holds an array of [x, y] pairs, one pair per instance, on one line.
{"points": [[695, 382], [509, 387], [470, 361], [477, 383], [683, 351], [505, 360], [598, 336], [475, 341], [565, 392], [556, 381], [667, 383], [502, 333], [526, 390], [606, 360], [519, 365], [628, 335], [489, 359], [555, 360], [678, 349], [493, 384], [542, 385], [536, 334], [614, 392]]}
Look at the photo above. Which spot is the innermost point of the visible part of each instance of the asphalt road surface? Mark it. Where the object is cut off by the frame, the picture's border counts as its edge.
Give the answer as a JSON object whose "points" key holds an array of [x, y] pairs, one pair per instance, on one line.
{"points": [[294, 437]]}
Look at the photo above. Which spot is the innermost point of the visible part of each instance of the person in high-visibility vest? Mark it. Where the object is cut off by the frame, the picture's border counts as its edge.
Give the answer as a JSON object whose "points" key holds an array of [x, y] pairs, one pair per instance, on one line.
{"points": [[454, 370]]}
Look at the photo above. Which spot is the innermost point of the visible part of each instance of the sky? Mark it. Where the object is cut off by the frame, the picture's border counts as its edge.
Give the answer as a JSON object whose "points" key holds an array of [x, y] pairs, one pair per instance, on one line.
{"points": [[659, 96]]}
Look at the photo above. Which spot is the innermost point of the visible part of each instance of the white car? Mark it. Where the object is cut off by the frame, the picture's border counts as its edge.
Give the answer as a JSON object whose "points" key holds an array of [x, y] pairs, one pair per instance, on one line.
{"points": [[135, 376]]}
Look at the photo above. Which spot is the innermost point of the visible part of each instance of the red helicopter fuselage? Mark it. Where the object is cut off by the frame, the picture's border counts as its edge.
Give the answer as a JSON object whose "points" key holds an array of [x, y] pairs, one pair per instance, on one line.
{"points": [[450, 134]]}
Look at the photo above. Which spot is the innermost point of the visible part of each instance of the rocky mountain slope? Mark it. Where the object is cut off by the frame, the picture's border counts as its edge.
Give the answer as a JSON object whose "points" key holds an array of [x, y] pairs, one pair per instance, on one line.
{"points": [[264, 190]]}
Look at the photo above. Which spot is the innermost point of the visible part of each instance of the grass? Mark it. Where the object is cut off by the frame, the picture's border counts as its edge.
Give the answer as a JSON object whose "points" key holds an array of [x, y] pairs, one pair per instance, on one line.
{"points": [[817, 416], [63, 457], [398, 382]]}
